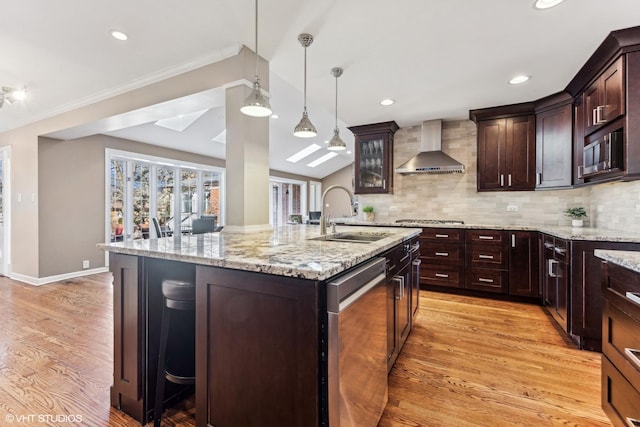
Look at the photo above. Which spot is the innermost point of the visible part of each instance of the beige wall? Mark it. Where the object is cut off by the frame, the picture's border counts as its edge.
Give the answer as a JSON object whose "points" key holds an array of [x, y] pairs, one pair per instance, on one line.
{"points": [[26, 254], [337, 202], [455, 196]]}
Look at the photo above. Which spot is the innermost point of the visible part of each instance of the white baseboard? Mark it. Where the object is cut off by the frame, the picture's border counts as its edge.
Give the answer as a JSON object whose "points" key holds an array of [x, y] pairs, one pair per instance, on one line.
{"points": [[37, 281]]}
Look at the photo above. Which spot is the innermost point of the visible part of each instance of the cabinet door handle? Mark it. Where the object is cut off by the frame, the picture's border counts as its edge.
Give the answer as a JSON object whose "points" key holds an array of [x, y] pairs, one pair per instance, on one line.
{"points": [[513, 240], [509, 179], [548, 245], [443, 276], [559, 251], [481, 256], [442, 236], [384, 184], [501, 180], [552, 272], [538, 178], [485, 237], [442, 253], [482, 279]]}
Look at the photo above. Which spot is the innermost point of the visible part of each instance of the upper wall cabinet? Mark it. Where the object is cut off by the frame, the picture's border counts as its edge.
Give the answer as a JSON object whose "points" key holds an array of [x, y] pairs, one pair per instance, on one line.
{"points": [[374, 157], [606, 93], [554, 123], [506, 147]]}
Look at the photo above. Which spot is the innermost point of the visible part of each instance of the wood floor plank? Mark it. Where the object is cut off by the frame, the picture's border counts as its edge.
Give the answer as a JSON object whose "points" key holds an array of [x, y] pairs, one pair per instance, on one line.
{"points": [[468, 362]]}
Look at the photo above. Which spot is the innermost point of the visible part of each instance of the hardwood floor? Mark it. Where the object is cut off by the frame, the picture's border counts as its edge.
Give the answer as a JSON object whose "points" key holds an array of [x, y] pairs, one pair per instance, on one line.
{"points": [[468, 362]]}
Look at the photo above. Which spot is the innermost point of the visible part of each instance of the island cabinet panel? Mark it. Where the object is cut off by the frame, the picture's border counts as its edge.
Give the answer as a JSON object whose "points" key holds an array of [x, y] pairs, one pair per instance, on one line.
{"points": [[258, 349], [586, 291], [621, 345]]}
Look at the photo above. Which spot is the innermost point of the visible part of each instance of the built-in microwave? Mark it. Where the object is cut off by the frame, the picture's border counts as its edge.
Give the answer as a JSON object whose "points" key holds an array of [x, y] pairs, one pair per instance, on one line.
{"points": [[603, 155]]}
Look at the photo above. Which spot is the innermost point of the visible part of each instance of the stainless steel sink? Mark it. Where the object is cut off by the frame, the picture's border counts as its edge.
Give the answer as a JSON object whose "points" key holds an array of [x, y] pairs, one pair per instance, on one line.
{"points": [[352, 237]]}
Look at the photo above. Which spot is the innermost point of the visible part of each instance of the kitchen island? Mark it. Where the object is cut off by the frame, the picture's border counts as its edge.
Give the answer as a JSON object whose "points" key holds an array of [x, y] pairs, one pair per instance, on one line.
{"points": [[261, 329]]}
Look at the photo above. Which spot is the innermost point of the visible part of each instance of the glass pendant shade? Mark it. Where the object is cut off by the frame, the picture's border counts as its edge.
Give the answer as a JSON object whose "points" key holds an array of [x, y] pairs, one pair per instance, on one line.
{"points": [[256, 104], [305, 129], [336, 143]]}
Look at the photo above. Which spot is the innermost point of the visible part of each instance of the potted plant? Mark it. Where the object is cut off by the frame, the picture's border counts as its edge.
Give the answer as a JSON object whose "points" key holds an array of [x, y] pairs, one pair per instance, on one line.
{"points": [[368, 213], [577, 215]]}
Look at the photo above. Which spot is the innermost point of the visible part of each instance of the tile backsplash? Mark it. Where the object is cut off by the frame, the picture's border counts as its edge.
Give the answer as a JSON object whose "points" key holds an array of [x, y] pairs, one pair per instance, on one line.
{"points": [[454, 196]]}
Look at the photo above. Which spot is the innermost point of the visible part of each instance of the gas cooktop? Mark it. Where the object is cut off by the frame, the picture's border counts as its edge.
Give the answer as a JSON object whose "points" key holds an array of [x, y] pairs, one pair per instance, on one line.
{"points": [[431, 221]]}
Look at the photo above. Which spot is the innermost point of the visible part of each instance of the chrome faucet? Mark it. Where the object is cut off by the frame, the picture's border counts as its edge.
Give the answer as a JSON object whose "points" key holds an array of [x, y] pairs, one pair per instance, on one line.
{"points": [[323, 220]]}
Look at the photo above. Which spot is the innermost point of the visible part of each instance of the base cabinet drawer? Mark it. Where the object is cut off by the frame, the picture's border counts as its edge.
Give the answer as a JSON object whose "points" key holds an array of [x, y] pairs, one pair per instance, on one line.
{"points": [[621, 341], [620, 400], [442, 253], [441, 275], [480, 279]]}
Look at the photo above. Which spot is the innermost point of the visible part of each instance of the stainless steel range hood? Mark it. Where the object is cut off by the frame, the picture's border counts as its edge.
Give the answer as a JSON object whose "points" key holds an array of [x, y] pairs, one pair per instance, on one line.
{"points": [[431, 159]]}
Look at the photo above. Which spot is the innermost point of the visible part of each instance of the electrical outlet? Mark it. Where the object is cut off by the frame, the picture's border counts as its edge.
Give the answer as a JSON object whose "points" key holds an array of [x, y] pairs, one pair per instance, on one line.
{"points": [[85, 264], [512, 208], [600, 208], [393, 208]]}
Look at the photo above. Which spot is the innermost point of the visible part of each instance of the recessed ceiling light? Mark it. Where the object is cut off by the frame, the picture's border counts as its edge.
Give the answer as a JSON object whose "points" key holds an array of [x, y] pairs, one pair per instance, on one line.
{"points": [[119, 35], [546, 4], [387, 102], [304, 153], [519, 79], [322, 159]]}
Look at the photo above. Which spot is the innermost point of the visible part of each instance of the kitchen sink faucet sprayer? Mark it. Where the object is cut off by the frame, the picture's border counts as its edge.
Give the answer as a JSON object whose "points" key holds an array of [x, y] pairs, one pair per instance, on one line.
{"points": [[323, 220]]}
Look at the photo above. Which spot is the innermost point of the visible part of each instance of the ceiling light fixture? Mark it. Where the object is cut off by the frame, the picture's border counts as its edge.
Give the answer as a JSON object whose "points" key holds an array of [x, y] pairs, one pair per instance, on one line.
{"points": [[305, 129], [118, 35], [256, 104], [10, 95], [519, 79], [336, 143], [546, 4], [387, 101]]}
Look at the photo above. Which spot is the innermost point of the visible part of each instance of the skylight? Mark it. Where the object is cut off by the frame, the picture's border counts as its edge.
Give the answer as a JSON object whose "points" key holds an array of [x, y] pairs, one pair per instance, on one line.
{"points": [[303, 153], [181, 122], [322, 159]]}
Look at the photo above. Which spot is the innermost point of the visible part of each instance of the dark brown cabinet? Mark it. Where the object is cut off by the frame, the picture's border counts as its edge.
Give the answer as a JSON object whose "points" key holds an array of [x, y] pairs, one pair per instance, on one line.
{"points": [[524, 264], [442, 257], [374, 157], [415, 276], [621, 341], [269, 361], [506, 149], [399, 300], [487, 261], [556, 290], [604, 99], [554, 143]]}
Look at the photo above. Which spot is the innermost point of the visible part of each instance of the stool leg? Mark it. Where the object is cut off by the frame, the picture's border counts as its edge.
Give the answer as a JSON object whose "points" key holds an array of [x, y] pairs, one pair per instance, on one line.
{"points": [[162, 350]]}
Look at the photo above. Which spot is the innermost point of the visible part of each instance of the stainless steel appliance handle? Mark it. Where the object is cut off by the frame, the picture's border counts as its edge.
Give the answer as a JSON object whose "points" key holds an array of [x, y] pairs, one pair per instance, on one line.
{"points": [[363, 290], [559, 251], [599, 111], [400, 280], [634, 355], [594, 116]]}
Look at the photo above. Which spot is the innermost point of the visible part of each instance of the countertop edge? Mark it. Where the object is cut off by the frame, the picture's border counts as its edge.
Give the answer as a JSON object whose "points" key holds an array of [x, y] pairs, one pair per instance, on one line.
{"points": [[626, 259]]}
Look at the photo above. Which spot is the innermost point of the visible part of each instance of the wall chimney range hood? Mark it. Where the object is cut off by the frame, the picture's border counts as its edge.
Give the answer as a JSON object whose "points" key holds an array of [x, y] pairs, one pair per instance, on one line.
{"points": [[431, 159]]}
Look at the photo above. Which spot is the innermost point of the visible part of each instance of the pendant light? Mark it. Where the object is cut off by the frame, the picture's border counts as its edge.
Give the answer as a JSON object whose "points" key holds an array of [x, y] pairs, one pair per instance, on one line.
{"points": [[305, 128], [336, 143], [256, 105]]}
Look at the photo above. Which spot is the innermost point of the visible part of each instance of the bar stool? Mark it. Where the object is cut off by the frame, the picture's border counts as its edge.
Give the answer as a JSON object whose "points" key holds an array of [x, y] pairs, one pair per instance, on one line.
{"points": [[177, 295]]}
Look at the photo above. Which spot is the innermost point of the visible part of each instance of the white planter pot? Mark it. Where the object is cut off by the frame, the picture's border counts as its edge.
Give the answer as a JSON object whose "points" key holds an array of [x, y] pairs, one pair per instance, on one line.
{"points": [[369, 216], [577, 222]]}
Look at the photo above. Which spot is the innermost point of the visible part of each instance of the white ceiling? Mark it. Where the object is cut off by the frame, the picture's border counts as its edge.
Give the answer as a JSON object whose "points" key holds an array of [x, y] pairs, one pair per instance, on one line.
{"points": [[436, 58]]}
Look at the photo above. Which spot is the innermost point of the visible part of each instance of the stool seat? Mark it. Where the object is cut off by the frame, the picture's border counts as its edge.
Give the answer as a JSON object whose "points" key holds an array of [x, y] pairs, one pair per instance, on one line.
{"points": [[176, 295]]}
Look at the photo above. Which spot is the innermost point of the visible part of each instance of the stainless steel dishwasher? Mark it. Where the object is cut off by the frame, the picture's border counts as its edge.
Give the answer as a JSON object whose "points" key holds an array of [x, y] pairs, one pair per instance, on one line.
{"points": [[357, 346]]}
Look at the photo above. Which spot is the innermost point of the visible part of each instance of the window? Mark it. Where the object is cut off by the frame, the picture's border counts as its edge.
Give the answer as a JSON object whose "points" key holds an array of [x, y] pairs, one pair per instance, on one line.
{"points": [[141, 187], [288, 201]]}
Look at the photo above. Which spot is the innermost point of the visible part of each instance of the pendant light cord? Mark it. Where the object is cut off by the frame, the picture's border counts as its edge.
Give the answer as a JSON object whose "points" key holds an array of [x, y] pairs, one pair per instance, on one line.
{"points": [[256, 39], [305, 79], [336, 102]]}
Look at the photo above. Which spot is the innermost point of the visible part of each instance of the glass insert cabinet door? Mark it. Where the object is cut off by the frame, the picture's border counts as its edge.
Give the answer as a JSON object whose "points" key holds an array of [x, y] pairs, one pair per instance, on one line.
{"points": [[374, 157]]}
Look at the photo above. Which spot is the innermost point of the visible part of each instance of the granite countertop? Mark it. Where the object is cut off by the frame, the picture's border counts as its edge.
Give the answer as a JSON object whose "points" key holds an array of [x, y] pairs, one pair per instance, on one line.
{"points": [[285, 251], [563, 232], [627, 259]]}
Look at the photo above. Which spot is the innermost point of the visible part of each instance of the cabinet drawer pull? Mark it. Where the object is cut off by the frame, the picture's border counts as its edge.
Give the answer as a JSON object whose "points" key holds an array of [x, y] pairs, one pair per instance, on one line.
{"points": [[548, 245], [444, 276], [485, 256], [482, 279], [485, 237], [559, 251], [633, 422], [442, 236], [442, 253], [634, 355]]}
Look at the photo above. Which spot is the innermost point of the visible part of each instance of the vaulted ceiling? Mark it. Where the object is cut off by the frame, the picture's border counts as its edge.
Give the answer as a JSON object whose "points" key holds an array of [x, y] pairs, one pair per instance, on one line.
{"points": [[435, 58]]}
